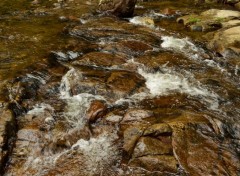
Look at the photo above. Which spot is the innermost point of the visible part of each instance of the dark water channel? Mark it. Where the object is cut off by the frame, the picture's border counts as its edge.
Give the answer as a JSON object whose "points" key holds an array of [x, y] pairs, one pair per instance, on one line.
{"points": [[97, 95]]}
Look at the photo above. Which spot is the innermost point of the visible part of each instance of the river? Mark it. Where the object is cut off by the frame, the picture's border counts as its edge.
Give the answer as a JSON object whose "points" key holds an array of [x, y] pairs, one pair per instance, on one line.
{"points": [[97, 95]]}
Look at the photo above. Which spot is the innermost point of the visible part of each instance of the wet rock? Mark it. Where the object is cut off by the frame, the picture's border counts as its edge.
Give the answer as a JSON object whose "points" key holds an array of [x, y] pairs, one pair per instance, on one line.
{"points": [[124, 83], [7, 134], [136, 115], [99, 59], [152, 146], [113, 118], [131, 136], [164, 163], [158, 129], [226, 41], [120, 8], [114, 31], [193, 139], [96, 110], [128, 48]]}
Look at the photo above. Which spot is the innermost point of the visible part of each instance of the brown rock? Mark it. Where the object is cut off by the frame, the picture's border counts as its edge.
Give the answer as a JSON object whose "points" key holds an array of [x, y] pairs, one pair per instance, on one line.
{"points": [[131, 136], [124, 82], [195, 147], [162, 163], [96, 110], [99, 59], [135, 115], [152, 146], [7, 131], [168, 11], [158, 129], [120, 8], [237, 6]]}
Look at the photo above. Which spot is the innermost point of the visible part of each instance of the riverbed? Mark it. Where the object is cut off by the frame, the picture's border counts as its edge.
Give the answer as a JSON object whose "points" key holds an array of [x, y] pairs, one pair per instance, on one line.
{"points": [[90, 94]]}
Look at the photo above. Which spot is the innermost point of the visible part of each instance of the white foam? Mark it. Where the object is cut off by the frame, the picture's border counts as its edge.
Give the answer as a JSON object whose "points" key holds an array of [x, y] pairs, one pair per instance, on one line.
{"points": [[40, 108], [39, 78], [236, 70], [77, 105], [71, 77], [183, 46], [98, 153], [76, 108], [144, 21], [167, 82], [72, 55]]}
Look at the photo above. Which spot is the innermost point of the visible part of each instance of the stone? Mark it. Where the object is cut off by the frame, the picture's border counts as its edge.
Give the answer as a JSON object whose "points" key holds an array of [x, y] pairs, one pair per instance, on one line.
{"points": [[120, 8], [96, 110], [162, 163], [153, 146], [210, 20], [216, 13], [226, 41], [237, 5], [168, 11], [134, 115], [124, 82], [114, 118], [193, 138], [7, 134], [100, 59], [158, 129], [131, 135], [190, 145]]}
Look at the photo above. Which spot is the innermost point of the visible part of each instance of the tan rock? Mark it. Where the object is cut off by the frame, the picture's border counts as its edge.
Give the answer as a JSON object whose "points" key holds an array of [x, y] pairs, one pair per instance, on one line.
{"points": [[135, 115], [216, 13], [158, 129], [237, 6], [226, 40], [131, 136], [162, 163], [152, 146]]}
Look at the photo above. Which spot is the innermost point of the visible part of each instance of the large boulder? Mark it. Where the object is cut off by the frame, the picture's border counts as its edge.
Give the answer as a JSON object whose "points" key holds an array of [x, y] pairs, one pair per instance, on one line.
{"points": [[210, 20], [226, 42], [120, 8]]}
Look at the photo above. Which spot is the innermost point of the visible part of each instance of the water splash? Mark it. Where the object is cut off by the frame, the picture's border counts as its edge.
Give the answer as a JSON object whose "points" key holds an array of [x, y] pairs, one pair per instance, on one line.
{"points": [[77, 105], [168, 82], [183, 46], [40, 108], [99, 153]]}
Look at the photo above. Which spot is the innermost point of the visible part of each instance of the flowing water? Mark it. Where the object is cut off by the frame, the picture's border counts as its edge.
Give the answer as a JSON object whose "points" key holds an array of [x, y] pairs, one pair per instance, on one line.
{"points": [[58, 58]]}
